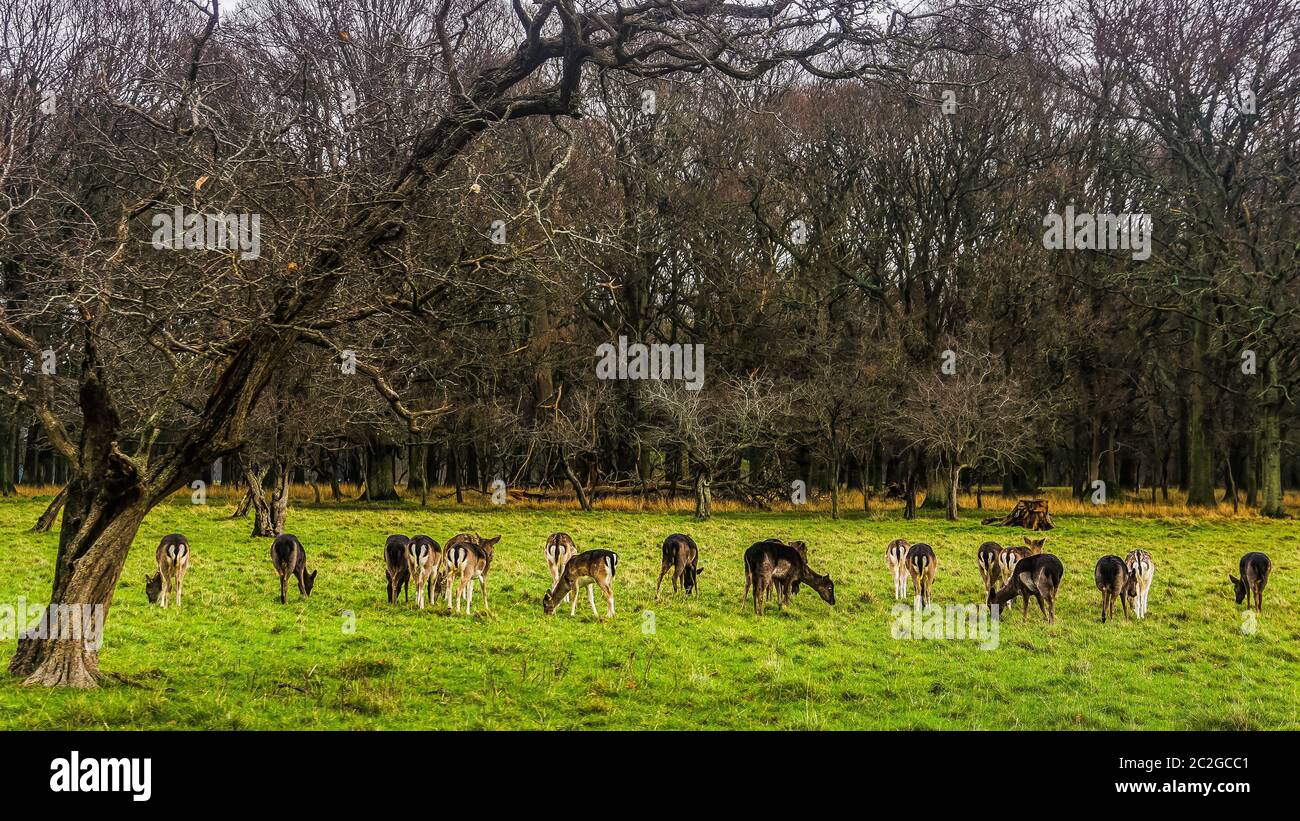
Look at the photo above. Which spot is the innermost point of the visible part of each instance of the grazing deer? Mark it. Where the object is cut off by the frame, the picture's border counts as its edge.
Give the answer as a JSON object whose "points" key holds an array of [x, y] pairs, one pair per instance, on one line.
{"points": [[990, 569], [1114, 582], [173, 557], [1038, 576], [395, 567], [921, 564], [559, 549], [1143, 570], [471, 560], [682, 556], [1035, 545], [290, 559], [772, 562], [423, 557], [594, 567], [785, 588], [1254, 569], [896, 558]]}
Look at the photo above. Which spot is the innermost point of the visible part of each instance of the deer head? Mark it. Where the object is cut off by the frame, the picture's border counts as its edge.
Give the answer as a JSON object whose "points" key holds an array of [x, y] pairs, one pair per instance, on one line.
{"points": [[153, 587], [1239, 586], [824, 586], [309, 580], [1035, 545]]}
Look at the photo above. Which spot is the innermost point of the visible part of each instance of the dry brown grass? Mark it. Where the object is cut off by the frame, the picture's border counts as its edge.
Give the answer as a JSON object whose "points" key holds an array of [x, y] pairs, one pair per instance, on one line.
{"points": [[1059, 499], [850, 502]]}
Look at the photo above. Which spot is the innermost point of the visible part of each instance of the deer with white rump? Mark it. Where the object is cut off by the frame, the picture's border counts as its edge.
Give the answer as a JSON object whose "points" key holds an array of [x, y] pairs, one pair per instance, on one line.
{"points": [[173, 557]]}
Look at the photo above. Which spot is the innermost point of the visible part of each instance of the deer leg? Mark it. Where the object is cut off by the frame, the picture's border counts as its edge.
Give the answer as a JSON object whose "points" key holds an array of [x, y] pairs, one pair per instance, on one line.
{"points": [[1025, 598], [591, 596], [482, 583], [663, 570], [573, 611], [609, 598], [284, 587], [1039, 598]]}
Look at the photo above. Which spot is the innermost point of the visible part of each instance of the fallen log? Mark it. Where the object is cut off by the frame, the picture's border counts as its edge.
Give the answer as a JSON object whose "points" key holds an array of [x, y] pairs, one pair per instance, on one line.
{"points": [[1028, 513]]}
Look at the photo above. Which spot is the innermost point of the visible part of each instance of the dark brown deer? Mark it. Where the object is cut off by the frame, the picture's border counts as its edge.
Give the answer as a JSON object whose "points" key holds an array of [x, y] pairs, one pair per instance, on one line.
{"points": [[423, 558], [559, 549], [592, 567], [1254, 569], [173, 557], [395, 567], [784, 588], [682, 556], [921, 565], [1115, 582], [772, 562], [290, 559], [1038, 576], [896, 558], [990, 569]]}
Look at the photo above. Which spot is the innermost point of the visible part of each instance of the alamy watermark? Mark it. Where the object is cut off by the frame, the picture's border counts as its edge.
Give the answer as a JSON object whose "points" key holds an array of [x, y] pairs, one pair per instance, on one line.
{"points": [[659, 361], [953, 622], [191, 231], [55, 622], [1098, 232]]}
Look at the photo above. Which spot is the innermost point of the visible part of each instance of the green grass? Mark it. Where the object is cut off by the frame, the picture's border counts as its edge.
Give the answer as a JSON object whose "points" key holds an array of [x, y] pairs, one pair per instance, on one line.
{"points": [[233, 657]]}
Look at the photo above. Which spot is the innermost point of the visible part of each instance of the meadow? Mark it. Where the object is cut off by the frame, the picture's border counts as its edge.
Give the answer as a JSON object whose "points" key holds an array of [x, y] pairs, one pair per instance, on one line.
{"points": [[233, 658]]}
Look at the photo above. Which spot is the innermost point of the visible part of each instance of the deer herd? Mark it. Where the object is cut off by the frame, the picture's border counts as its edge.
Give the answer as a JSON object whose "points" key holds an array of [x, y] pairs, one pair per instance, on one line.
{"points": [[447, 573]]}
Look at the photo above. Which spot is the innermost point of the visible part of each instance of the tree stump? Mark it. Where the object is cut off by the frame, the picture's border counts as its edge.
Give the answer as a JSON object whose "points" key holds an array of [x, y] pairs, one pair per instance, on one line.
{"points": [[1028, 513]]}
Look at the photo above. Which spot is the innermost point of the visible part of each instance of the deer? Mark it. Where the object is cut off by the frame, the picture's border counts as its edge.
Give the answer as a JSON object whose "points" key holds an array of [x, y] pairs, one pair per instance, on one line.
{"points": [[896, 558], [471, 557], [1254, 569], [1115, 582], [1038, 576], [592, 567], [785, 565], [423, 558], [559, 549], [784, 588], [1035, 545], [1143, 569], [921, 564], [290, 559], [990, 569], [173, 557], [395, 567], [682, 556]]}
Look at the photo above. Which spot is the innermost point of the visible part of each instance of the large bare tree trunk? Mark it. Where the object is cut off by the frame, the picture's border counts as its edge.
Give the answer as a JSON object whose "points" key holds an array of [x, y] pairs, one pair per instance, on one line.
{"points": [[99, 523]]}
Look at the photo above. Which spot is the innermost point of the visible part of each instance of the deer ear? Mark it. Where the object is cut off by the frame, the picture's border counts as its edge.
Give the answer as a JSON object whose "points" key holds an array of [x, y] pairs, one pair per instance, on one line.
{"points": [[1232, 579]]}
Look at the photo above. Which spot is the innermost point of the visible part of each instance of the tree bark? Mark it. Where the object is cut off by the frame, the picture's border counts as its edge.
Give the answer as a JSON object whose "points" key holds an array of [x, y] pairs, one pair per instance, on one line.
{"points": [[46, 521], [703, 496], [380, 458], [1271, 444]]}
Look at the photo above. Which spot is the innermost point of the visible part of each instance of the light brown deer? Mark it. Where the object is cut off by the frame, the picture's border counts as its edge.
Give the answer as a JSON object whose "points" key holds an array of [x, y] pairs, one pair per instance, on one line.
{"points": [[423, 558], [591, 568], [559, 549], [896, 558], [173, 557], [471, 560]]}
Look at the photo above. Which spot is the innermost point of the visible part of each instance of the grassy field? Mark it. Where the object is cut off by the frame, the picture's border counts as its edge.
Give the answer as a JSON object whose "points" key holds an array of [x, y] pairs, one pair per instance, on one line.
{"points": [[233, 657]]}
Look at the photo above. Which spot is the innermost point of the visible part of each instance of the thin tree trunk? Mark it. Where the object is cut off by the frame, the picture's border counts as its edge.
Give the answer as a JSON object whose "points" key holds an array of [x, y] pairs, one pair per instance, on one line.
{"points": [[46, 521]]}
